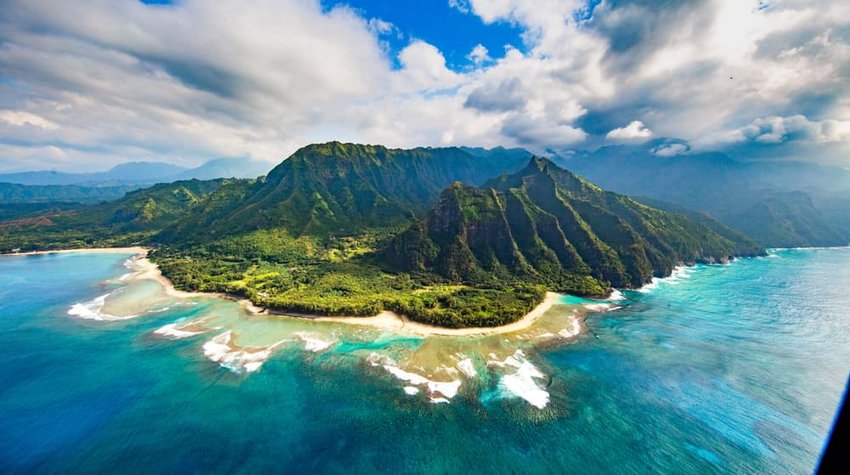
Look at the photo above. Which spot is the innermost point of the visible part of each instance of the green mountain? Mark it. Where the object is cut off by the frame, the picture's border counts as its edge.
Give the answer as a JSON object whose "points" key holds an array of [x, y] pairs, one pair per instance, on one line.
{"points": [[338, 189], [343, 229], [545, 225]]}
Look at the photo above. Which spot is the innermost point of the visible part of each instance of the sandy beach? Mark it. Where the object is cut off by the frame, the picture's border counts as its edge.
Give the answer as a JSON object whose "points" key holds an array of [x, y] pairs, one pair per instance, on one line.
{"points": [[143, 268], [392, 321], [385, 320]]}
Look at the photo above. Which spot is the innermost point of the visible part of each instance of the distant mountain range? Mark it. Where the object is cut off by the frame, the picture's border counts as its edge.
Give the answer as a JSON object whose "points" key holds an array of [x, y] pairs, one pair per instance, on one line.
{"points": [[27, 194], [779, 204], [448, 236], [143, 173]]}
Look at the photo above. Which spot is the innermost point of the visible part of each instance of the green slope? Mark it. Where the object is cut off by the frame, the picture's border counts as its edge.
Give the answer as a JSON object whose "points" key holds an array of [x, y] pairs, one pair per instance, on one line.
{"points": [[336, 189], [544, 225]]}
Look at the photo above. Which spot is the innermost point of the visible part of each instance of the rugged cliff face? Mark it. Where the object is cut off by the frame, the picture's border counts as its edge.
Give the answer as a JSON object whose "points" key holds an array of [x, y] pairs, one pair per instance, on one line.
{"points": [[335, 188], [545, 225]]}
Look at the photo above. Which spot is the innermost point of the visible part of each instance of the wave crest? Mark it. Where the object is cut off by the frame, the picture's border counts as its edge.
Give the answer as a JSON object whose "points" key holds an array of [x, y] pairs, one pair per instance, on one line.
{"points": [[93, 310]]}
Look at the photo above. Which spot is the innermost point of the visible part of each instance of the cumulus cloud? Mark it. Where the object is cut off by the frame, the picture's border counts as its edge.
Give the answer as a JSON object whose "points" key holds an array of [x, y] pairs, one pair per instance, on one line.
{"points": [[782, 129], [104, 81], [425, 67], [635, 131], [538, 134]]}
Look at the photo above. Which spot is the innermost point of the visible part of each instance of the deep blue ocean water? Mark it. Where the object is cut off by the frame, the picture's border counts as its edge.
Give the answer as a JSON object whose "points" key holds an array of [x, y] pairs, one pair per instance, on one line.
{"points": [[728, 369]]}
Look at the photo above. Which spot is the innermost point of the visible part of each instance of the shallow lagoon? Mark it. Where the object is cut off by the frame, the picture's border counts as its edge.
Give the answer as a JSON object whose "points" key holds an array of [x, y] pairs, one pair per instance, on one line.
{"points": [[721, 369]]}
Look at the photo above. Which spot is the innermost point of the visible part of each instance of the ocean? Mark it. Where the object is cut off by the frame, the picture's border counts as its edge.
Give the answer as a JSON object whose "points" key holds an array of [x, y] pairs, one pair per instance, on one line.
{"points": [[720, 369]]}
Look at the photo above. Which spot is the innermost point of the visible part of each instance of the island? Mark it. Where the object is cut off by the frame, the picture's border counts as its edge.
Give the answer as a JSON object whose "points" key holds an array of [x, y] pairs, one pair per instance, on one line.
{"points": [[450, 237]]}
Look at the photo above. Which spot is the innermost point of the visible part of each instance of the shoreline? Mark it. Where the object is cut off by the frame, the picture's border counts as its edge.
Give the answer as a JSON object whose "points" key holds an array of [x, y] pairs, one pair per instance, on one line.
{"points": [[385, 320], [388, 320], [90, 250], [144, 269]]}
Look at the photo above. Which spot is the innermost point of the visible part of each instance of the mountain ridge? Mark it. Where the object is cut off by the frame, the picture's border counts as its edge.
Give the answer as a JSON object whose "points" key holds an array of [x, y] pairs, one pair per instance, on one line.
{"points": [[550, 226]]}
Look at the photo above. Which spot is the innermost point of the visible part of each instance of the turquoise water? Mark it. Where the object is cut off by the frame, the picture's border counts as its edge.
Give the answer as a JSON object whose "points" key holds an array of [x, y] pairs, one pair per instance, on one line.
{"points": [[724, 369]]}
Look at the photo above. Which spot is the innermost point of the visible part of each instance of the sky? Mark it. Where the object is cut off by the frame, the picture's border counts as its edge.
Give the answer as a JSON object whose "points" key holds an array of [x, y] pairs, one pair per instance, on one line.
{"points": [[85, 85]]}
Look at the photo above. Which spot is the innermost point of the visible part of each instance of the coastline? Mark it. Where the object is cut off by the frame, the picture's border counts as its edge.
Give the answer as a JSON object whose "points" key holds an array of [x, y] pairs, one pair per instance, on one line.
{"points": [[144, 269], [93, 250], [385, 320], [392, 321]]}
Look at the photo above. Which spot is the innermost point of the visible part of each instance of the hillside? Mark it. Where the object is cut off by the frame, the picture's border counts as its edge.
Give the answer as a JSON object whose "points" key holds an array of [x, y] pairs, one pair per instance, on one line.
{"points": [[546, 226], [340, 189]]}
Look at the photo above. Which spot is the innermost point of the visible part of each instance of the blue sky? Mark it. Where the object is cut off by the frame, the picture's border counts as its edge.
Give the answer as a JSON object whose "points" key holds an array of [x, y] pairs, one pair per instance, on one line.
{"points": [[453, 32], [85, 85]]}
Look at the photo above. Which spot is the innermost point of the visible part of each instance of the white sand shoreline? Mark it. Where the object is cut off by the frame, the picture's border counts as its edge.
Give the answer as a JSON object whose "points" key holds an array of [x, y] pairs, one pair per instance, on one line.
{"points": [[392, 321], [145, 269]]}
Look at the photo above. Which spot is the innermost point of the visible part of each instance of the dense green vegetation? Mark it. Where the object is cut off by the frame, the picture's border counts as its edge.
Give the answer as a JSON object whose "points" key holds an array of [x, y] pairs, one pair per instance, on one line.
{"points": [[10, 211], [317, 284], [342, 229]]}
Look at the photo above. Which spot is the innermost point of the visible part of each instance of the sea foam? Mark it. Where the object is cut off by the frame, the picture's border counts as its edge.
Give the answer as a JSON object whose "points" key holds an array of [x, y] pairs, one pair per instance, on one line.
{"points": [[616, 296], [234, 358], [602, 307], [467, 368], [679, 273], [438, 391], [313, 343], [175, 330], [93, 310], [573, 330], [522, 382]]}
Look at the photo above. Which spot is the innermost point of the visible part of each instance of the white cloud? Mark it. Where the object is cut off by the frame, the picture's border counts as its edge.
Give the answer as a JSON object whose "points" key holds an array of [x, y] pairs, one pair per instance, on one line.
{"points": [[537, 134], [635, 131], [479, 55], [777, 130], [117, 81], [380, 27], [22, 118], [424, 67], [670, 150], [460, 5]]}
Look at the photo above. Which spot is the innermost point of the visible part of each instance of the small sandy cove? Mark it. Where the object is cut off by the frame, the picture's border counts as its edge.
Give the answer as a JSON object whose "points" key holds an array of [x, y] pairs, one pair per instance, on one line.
{"points": [[145, 269]]}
